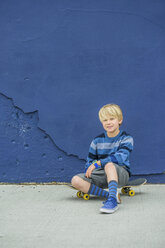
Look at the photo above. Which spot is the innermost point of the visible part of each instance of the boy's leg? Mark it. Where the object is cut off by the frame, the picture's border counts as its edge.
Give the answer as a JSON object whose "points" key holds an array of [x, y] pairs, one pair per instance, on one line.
{"points": [[80, 184], [111, 172], [110, 205], [112, 179], [116, 176], [88, 187]]}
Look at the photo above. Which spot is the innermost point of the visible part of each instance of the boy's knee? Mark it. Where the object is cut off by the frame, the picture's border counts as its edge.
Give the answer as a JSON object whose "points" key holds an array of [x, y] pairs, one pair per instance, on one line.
{"points": [[110, 165], [75, 181], [111, 172]]}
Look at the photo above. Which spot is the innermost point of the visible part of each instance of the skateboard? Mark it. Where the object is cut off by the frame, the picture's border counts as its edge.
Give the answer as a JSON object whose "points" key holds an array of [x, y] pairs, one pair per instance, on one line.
{"points": [[133, 183], [80, 194], [86, 196]]}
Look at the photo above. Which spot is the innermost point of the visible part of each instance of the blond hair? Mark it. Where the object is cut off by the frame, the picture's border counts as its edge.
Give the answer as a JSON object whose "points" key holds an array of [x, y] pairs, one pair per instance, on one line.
{"points": [[110, 110]]}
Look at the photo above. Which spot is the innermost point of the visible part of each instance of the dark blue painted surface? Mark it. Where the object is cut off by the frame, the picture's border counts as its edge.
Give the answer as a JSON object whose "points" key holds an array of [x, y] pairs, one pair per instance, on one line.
{"points": [[27, 153], [65, 59]]}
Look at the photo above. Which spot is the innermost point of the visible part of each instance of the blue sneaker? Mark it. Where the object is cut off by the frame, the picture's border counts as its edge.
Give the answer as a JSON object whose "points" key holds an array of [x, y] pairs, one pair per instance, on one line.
{"points": [[110, 206]]}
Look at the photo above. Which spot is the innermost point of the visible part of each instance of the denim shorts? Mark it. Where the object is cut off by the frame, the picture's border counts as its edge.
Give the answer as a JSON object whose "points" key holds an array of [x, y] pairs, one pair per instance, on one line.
{"points": [[99, 178]]}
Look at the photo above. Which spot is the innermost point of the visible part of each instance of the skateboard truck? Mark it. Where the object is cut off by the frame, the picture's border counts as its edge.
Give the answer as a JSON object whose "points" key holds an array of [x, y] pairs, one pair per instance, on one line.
{"points": [[85, 196], [133, 183], [127, 190]]}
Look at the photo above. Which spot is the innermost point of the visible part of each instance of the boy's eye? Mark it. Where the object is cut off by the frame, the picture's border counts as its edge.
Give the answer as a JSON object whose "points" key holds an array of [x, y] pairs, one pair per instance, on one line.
{"points": [[111, 119]]}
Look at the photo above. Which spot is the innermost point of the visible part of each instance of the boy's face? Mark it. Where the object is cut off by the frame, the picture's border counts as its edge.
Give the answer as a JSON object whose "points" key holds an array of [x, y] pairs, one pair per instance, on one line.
{"points": [[111, 125]]}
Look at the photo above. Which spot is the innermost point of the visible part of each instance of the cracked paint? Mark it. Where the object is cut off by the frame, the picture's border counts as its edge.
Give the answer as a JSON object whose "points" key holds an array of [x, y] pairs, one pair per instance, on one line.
{"points": [[28, 153]]}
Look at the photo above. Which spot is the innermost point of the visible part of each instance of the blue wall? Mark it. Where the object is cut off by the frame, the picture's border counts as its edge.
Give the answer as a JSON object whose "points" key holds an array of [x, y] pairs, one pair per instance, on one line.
{"points": [[60, 62]]}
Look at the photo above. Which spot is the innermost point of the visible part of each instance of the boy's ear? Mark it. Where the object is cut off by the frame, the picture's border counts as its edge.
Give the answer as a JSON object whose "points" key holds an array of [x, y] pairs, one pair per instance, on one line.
{"points": [[120, 122]]}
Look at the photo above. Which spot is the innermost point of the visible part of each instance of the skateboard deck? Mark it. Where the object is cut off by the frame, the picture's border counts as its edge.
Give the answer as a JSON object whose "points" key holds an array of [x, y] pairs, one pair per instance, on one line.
{"points": [[133, 183], [86, 196]]}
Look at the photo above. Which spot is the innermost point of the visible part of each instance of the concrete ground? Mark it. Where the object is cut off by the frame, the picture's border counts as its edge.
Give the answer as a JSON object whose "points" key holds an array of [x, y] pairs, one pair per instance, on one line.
{"points": [[51, 216]]}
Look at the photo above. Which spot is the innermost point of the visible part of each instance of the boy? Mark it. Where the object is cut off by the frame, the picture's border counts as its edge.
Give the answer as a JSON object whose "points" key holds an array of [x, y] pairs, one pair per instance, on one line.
{"points": [[108, 163]]}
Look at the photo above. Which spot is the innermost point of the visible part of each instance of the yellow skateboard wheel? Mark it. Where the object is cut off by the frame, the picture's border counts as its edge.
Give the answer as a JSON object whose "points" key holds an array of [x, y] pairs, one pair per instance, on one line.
{"points": [[79, 194], [86, 197], [131, 193], [123, 191]]}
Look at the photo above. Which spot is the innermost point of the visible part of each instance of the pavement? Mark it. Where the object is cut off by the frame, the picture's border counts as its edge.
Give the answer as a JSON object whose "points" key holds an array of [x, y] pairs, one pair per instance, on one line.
{"points": [[51, 216]]}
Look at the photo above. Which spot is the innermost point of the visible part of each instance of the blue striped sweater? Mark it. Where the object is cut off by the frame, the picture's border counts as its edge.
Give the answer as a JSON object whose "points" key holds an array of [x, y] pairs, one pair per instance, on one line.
{"points": [[116, 150]]}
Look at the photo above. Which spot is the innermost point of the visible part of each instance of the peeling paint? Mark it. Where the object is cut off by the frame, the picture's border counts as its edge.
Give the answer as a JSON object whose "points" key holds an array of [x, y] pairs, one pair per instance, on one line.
{"points": [[45, 161], [24, 127]]}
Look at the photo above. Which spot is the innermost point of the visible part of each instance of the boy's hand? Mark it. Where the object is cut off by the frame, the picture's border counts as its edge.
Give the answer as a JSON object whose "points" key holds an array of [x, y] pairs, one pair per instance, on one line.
{"points": [[99, 163], [89, 170]]}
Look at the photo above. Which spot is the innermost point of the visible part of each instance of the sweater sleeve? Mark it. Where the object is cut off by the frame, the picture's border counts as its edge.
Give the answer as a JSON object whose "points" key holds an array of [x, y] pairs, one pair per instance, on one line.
{"points": [[121, 156], [92, 155]]}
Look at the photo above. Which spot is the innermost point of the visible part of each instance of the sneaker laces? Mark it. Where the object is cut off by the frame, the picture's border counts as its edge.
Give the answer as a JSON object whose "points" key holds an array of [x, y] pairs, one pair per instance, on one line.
{"points": [[117, 198], [110, 200]]}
